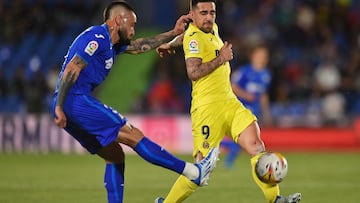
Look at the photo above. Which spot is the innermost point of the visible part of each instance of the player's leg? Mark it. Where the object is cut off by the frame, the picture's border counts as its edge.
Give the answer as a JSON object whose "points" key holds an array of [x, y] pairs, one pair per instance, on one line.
{"points": [[249, 139], [246, 132], [99, 125], [155, 154], [114, 171], [114, 158], [181, 189], [232, 150], [95, 126], [207, 132]]}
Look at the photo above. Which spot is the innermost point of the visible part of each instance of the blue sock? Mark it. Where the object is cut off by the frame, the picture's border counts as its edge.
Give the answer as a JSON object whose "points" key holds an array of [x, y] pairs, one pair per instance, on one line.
{"points": [[157, 155], [233, 153], [234, 150], [114, 182]]}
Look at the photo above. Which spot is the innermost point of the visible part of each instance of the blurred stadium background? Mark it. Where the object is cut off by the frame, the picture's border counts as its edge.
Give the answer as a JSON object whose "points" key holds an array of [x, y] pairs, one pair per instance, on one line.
{"points": [[315, 91]]}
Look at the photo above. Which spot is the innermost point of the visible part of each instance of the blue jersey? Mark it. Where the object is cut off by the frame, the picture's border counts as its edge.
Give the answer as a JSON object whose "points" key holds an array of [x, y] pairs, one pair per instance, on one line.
{"points": [[91, 122], [253, 81], [93, 46]]}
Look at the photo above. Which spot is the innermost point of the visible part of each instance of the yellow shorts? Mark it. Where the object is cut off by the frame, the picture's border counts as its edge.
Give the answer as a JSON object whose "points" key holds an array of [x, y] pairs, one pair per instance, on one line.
{"points": [[212, 121]]}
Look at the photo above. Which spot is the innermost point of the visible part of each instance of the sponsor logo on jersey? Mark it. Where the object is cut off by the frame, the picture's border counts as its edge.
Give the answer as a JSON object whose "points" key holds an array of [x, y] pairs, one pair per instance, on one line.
{"points": [[108, 63], [91, 47], [194, 47]]}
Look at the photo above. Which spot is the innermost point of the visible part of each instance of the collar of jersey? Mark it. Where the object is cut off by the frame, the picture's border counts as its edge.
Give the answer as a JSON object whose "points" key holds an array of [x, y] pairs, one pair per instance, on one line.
{"points": [[107, 33]]}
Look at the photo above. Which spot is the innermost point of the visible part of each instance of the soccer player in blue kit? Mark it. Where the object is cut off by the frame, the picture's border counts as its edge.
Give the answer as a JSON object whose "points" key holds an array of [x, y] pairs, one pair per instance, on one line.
{"points": [[99, 128], [251, 83]]}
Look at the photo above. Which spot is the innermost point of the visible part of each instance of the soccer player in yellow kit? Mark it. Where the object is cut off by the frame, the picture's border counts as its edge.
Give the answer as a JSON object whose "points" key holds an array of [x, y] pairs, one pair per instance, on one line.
{"points": [[215, 110]]}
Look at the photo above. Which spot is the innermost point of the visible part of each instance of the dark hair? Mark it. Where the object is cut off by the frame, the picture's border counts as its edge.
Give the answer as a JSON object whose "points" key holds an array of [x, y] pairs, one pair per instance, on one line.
{"points": [[113, 4], [193, 3]]}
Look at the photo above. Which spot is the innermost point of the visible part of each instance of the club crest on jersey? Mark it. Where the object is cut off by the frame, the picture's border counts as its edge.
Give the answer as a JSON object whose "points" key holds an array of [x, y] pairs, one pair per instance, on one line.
{"points": [[91, 47], [194, 47]]}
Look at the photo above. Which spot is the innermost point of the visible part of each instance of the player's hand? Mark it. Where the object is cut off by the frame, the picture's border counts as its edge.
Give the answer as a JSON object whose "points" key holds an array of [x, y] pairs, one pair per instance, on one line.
{"points": [[226, 52], [60, 118], [164, 50], [181, 24]]}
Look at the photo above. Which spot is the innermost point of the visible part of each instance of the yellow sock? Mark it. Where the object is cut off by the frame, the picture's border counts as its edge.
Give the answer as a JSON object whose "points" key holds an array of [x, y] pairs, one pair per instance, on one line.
{"points": [[182, 189], [270, 191]]}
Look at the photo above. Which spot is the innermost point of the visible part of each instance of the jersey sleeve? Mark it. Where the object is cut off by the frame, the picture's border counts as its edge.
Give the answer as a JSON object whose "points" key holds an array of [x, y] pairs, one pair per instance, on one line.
{"points": [[193, 45], [237, 76], [88, 45], [120, 49]]}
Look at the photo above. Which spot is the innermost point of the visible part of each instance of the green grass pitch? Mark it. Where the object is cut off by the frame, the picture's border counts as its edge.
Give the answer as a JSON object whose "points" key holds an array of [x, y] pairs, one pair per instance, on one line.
{"points": [[321, 177]]}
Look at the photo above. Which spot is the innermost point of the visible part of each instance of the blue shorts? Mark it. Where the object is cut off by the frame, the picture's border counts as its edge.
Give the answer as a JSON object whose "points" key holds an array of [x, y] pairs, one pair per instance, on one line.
{"points": [[91, 122]]}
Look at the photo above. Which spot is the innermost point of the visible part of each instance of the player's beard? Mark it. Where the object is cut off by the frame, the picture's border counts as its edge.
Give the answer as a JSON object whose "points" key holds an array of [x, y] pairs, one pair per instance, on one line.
{"points": [[124, 41], [207, 27]]}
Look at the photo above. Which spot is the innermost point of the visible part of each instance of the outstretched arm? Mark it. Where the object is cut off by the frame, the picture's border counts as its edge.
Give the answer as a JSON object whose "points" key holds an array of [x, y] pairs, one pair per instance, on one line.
{"points": [[142, 45], [169, 48], [241, 92], [69, 77]]}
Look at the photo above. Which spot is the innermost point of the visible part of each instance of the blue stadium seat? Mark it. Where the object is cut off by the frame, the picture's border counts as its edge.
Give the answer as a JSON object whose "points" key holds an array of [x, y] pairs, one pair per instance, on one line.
{"points": [[46, 46], [56, 55], [22, 55]]}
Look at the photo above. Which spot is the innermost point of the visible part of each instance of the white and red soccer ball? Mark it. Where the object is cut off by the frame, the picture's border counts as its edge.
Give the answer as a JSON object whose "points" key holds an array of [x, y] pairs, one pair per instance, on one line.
{"points": [[271, 167]]}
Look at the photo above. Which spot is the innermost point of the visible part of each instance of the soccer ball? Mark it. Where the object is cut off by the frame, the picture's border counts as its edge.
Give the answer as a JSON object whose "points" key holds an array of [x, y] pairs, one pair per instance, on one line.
{"points": [[271, 167]]}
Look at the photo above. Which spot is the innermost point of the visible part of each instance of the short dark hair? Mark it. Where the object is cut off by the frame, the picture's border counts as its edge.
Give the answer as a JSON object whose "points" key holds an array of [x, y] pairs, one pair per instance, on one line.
{"points": [[193, 3], [107, 10]]}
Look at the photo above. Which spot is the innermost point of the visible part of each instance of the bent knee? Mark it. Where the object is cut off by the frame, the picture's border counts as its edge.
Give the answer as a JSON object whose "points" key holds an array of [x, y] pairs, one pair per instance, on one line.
{"points": [[129, 135], [250, 139]]}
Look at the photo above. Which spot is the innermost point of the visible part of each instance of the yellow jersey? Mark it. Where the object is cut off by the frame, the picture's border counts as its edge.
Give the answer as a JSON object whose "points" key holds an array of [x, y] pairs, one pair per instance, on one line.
{"points": [[215, 86]]}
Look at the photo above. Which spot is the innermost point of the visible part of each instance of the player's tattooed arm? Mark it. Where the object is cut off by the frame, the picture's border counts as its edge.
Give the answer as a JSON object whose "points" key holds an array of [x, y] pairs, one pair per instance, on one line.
{"points": [[69, 77], [177, 41], [169, 48], [196, 69], [143, 45]]}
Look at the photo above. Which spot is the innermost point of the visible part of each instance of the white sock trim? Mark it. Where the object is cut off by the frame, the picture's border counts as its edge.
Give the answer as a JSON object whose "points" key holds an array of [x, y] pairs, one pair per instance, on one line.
{"points": [[191, 171]]}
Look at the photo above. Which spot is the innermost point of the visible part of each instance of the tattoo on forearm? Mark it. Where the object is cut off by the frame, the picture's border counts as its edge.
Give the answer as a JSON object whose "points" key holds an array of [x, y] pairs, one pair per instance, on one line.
{"points": [[69, 77], [66, 82], [197, 69], [142, 45]]}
